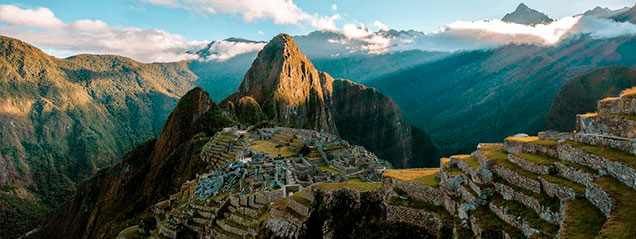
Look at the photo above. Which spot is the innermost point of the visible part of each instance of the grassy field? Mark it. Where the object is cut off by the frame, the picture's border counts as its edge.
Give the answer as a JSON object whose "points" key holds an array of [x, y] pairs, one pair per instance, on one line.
{"points": [[425, 176]]}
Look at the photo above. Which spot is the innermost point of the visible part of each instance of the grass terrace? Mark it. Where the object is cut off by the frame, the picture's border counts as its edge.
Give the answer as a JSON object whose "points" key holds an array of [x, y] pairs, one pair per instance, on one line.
{"points": [[607, 152], [488, 221], [553, 203], [414, 203], [622, 221], [493, 152], [298, 197], [354, 186], [425, 176], [472, 161], [453, 171], [579, 167], [534, 140], [355, 180], [537, 159], [528, 214], [583, 219], [444, 161], [271, 148], [578, 188], [329, 169], [630, 117]]}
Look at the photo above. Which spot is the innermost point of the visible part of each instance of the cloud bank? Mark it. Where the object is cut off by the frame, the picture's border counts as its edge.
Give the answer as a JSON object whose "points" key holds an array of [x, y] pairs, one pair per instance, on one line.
{"points": [[224, 50], [40, 27], [483, 34]]}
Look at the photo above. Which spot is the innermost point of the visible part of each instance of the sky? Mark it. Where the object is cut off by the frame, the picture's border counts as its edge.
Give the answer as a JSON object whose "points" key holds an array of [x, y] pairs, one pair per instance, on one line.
{"points": [[135, 27]]}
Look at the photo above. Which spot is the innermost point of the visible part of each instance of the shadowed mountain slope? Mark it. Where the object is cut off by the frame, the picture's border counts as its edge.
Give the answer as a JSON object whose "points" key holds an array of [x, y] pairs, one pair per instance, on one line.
{"points": [[580, 94]]}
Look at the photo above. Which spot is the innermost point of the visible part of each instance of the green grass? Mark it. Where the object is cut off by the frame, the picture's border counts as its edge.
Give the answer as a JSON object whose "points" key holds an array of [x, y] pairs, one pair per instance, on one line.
{"points": [[425, 176], [493, 152], [553, 203], [298, 197], [607, 152], [582, 219], [630, 117], [535, 140], [488, 221], [414, 203], [537, 159], [355, 180], [472, 161], [429, 180], [354, 186], [528, 214], [329, 169], [622, 221], [453, 171]]}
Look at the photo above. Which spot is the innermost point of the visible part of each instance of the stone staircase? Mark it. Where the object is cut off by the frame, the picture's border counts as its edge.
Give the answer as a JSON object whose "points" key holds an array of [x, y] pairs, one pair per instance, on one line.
{"points": [[242, 217], [557, 185], [222, 148]]}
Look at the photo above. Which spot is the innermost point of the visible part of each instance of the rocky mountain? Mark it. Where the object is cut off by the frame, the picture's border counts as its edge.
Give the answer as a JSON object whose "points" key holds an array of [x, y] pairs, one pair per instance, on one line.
{"points": [[627, 16], [527, 16], [603, 12], [580, 94], [63, 119], [289, 90], [495, 88]]}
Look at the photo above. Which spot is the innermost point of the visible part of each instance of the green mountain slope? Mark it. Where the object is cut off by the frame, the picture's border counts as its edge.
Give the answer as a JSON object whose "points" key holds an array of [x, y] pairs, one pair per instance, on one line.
{"points": [[482, 96], [580, 94], [63, 119]]}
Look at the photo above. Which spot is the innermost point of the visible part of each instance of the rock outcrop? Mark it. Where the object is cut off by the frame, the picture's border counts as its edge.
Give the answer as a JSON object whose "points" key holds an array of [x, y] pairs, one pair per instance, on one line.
{"points": [[289, 90]]}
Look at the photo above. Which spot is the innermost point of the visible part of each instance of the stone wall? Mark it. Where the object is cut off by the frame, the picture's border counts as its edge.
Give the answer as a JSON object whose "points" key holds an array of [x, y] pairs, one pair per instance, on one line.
{"points": [[529, 166], [618, 170], [418, 217], [615, 126], [560, 191], [509, 193], [515, 178], [620, 106], [601, 199], [555, 135], [515, 147], [573, 174], [417, 191], [623, 144], [512, 220]]}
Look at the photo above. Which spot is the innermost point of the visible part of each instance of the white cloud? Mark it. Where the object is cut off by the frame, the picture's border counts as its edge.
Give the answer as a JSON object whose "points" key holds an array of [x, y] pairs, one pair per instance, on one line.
{"points": [[603, 28], [334, 7], [40, 17], [93, 36], [260, 32], [280, 11], [223, 50], [381, 26]]}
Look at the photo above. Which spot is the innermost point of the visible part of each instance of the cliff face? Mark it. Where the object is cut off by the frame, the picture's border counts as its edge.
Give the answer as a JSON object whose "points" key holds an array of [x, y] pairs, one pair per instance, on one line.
{"points": [[147, 174], [292, 92], [580, 94], [367, 117]]}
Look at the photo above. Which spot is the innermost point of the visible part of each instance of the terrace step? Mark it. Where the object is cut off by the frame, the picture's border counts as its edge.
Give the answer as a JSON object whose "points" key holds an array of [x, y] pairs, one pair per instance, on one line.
{"points": [[545, 206], [486, 224], [623, 105], [523, 218], [624, 144], [623, 126], [532, 145], [584, 220], [233, 227], [619, 164], [621, 222]]}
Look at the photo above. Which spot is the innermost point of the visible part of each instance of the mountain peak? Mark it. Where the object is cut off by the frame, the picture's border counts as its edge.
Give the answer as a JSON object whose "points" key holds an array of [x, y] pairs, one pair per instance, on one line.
{"points": [[287, 86], [527, 16]]}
